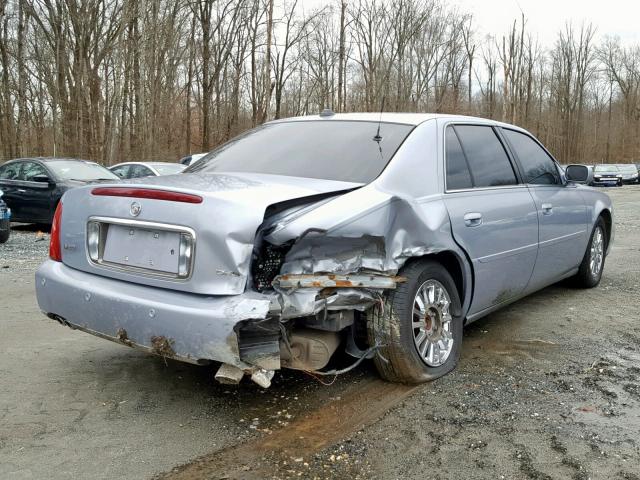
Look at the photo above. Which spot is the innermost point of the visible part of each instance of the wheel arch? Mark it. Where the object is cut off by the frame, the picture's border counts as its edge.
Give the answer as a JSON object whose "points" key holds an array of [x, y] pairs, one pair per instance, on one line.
{"points": [[460, 270], [608, 222]]}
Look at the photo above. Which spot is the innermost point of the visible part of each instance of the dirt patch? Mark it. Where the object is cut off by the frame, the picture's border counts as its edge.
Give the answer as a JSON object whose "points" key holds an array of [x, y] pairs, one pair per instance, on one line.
{"points": [[361, 405]]}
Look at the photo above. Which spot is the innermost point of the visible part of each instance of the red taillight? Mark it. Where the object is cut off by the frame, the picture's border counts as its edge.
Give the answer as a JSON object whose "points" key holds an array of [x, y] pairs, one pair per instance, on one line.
{"points": [[54, 244], [147, 193]]}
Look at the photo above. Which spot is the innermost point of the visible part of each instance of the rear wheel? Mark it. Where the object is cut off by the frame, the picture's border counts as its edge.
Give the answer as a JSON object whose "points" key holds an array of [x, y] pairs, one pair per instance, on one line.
{"points": [[419, 327], [590, 272]]}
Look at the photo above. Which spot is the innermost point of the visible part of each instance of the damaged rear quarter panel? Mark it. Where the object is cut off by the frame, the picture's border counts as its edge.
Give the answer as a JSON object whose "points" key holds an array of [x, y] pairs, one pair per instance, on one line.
{"points": [[376, 228]]}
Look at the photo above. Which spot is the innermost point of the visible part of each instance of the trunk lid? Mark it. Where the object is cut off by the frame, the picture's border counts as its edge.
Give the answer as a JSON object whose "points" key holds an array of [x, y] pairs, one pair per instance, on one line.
{"points": [[223, 226]]}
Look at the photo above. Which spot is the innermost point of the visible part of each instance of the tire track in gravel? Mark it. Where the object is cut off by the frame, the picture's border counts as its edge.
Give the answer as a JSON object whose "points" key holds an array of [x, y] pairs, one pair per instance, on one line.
{"points": [[359, 406]]}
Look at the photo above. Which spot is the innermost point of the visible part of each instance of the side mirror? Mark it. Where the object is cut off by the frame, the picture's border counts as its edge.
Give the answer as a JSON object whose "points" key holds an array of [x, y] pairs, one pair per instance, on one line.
{"points": [[42, 179], [579, 174]]}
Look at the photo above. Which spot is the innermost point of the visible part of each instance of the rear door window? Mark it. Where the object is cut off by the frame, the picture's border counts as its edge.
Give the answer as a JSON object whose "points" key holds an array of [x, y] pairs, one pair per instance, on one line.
{"points": [[458, 175], [138, 171], [537, 166], [11, 171], [488, 161], [122, 171]]}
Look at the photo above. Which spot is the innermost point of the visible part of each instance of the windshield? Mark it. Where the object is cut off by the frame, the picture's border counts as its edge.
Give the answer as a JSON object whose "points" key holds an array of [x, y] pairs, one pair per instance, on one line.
{"points": [[606, 168], [80, 170], [332, 150], [168, 168], [628, 168]]}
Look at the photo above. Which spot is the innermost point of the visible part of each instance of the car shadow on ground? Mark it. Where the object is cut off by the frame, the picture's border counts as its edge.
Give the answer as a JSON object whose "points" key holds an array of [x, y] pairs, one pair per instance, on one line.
{"points": [[30, 227]]}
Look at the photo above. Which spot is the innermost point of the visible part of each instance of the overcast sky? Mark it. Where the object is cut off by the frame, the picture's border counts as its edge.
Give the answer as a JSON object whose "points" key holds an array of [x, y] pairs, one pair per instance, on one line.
{"points": [[546, 17]]}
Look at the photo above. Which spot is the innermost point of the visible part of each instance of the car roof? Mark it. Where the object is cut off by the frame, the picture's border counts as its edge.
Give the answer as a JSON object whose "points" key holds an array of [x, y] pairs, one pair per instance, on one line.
{"points": [[388, 117]]}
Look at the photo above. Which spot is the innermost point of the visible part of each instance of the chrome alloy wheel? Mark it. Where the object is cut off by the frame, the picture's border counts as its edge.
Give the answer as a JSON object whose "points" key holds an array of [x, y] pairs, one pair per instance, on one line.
{"points": [[597, 252], [432, 323]]}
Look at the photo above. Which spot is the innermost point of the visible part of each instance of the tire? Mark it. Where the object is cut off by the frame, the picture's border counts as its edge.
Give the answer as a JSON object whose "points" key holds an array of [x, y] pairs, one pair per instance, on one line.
{"points": [[588, 276], [391, 325], [5, 230]]}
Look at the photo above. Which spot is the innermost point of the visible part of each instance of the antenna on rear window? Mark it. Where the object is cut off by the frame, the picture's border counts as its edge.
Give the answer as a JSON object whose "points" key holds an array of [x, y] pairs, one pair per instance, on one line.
{"points": [[378, 138]]}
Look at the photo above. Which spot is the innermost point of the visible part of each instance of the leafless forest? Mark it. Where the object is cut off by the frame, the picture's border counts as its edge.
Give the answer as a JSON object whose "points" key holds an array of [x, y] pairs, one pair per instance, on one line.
{"points": [[116, 80]]}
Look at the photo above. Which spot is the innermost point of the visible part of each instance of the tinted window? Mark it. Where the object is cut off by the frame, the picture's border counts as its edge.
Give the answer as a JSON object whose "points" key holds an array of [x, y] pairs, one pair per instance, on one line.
{"points": [[138, 171], [458, 176], [490, 166], [121, 171], [31, 169], [11, 171], [327, 149], [538, 168]]}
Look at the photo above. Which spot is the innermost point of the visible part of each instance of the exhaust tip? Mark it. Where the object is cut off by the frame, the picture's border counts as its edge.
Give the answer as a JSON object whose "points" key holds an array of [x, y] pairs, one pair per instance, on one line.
{"points": [[229, 375], [61, 320]]}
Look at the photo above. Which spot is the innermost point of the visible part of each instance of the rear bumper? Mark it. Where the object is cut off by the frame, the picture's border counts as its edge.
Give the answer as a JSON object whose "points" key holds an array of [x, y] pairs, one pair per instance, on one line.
{"points": [[188, 327]]}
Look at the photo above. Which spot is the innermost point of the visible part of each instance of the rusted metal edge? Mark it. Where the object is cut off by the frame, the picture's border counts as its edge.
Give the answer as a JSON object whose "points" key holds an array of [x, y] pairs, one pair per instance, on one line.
{"points": [[293, 281], [122, 338]]}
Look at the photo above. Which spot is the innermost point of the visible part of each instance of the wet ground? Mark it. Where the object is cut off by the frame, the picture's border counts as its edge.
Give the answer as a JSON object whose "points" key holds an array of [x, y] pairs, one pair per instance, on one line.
{"points": [[547, 388]]}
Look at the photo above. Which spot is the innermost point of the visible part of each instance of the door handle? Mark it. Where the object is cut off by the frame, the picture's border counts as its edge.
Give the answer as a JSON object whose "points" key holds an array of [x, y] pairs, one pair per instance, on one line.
{"points": [[21, 190], [547, 209], [473, 219]]}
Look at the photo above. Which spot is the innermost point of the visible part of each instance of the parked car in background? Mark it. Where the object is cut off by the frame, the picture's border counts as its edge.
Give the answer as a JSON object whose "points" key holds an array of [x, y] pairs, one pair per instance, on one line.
{"points": [[191, 159], [383, 234], [5, 220], [33, 186], [629, 172], [146, 169], [606, 175]]}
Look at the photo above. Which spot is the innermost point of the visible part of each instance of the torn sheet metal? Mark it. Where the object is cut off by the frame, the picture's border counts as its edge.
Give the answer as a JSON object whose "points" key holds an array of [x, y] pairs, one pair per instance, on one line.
{"points": [[310, 301]]}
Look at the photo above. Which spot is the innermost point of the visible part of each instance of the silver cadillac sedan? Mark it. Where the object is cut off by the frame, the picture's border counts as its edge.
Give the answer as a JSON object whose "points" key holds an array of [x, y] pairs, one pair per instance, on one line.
{"points": [[378, 235]]}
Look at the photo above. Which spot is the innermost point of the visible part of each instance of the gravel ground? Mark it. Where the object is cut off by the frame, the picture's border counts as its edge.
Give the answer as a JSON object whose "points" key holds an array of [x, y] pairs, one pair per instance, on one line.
{"points": [[28, 245], [546, 388]]}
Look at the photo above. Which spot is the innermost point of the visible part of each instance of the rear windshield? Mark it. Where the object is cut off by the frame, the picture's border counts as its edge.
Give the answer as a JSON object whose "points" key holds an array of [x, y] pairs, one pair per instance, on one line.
{"points": [[346, 151], [80, 170]]}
